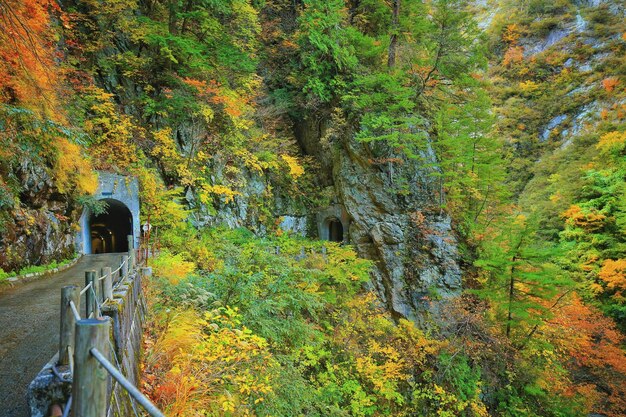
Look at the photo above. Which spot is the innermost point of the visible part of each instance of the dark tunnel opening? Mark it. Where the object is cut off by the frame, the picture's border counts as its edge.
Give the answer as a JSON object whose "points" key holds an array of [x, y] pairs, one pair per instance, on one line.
{"points": [[335, 231], [110, 230]]}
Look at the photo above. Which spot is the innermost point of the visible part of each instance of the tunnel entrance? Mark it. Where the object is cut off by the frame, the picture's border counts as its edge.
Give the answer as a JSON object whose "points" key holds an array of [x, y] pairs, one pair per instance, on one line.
{"points": [[335, 231], [109, 230]]}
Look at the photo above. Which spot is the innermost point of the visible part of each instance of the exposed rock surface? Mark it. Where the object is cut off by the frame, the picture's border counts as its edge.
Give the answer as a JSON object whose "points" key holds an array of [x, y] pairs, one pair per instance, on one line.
{"points": [[39, 230], [393, 220]]}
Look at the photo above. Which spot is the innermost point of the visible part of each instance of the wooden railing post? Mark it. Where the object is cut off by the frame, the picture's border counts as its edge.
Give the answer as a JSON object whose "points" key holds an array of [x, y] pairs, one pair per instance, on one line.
{"points": [[68, 322], [131, 252], [107, 283], [90, 301], [89, 384], [97, 288], [125, 267]]}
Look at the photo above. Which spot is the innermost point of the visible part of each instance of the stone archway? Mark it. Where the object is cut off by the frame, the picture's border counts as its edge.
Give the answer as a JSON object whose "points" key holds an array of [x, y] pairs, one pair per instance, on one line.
{"points": [[333, 224]]}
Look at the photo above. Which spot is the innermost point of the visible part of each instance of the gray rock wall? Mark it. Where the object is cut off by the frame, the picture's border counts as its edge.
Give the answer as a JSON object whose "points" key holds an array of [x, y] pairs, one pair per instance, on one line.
{"points": [[39, 229], [393, 216], [410, 241]]}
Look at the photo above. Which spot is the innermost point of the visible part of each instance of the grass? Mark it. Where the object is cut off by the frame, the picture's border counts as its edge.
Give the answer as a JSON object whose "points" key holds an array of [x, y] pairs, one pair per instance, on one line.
{"points": [[34, 269]]}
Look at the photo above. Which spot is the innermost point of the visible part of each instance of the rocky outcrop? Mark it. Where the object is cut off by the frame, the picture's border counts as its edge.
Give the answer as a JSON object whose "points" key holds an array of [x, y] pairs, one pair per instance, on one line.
{"points": [[39, 229], [394, 221]]}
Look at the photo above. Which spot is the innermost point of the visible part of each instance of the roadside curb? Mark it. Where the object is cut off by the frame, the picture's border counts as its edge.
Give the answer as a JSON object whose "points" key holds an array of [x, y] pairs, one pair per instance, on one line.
{"points": [[23, 279]]}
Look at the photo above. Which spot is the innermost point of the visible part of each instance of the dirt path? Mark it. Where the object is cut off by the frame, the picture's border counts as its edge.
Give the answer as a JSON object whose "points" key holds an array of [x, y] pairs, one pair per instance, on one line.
{"points": [[29, 329]]}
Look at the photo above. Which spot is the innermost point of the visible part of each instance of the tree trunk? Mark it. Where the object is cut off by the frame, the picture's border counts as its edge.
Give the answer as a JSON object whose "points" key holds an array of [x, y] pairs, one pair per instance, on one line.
{"points": [[395, 28], [511, 295], [172, 23]]}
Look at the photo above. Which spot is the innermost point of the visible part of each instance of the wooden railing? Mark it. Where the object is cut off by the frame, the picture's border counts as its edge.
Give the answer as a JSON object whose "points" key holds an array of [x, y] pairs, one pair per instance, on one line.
{"points": [[84, 343]]}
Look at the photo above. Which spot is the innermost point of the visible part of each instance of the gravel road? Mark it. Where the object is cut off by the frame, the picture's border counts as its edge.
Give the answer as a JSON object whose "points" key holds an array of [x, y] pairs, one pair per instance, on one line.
{"points": [[29, 329]]}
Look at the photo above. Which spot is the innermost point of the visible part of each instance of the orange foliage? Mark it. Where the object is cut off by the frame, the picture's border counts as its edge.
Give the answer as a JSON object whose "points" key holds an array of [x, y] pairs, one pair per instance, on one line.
{"points": [[604, 114], [598, 364], [29, 75], [613, 274], [514, 55], [610, 83], [213, 93], [511, 34], [589, 220]]}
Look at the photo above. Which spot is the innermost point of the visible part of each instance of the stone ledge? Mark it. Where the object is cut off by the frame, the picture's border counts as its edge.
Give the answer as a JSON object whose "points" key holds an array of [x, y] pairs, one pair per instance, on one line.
{"points": [[46, 389]]}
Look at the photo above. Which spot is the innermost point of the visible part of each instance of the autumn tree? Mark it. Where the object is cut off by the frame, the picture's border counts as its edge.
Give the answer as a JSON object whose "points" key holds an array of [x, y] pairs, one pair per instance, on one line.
{"points": [[29, 72]]}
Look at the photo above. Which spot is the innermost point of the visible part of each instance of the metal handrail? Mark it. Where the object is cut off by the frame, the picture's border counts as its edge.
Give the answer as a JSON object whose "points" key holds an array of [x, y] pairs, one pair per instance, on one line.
{"points": [[68, 406], [120, 267], [128, 386], [74, 310], [85, 289], [116, 271]]}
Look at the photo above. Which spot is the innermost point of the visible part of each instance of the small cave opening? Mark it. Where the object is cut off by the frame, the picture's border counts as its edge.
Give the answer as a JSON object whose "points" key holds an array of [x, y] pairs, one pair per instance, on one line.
{"points": [[109, 230], [335, 231]]}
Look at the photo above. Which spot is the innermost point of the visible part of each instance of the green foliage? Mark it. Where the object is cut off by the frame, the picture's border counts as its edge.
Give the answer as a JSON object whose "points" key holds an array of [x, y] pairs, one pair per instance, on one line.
{"points": [[329, 341], [385, 107], [325, 54], [35, 269], [199, 99], [95, 206], [276, 295], [4, 275], [471, 164], [523, 282]]}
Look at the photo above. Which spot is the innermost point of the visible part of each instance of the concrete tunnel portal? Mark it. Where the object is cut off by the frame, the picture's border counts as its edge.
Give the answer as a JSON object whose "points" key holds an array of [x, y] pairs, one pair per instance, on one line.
{"points": [[108, 232], [335, 230], [333, 224]]}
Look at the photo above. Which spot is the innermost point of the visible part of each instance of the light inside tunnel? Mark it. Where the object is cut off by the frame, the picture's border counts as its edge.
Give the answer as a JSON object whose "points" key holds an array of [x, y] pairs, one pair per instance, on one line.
{"points": [[109, 230]]}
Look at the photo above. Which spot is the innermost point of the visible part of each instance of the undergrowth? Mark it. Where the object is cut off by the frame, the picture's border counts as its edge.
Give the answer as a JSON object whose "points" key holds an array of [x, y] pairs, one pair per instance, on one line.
{"points": [[282, 327]]}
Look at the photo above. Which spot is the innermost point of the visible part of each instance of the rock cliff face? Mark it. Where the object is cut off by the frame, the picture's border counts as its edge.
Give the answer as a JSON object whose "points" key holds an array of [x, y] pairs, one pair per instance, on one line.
{"points": [[39, 229], [392, 218]]}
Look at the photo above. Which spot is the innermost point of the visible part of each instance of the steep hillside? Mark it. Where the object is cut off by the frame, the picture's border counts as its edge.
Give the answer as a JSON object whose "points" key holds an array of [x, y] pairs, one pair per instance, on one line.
{"points": [[364, 207], [558, 85]]}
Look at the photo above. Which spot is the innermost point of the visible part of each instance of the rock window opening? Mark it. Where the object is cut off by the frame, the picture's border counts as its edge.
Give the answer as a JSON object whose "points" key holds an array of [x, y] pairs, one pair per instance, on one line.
{"points": [[335, 231]]}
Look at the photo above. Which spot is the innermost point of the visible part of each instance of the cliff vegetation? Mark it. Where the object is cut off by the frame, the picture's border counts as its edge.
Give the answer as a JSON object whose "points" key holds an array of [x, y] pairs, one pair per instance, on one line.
{"points": [[473, 153]]}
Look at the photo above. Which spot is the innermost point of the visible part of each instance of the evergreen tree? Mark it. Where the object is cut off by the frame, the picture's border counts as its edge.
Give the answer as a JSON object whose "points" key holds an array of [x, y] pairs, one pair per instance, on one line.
{"points": [[523, 282]]}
